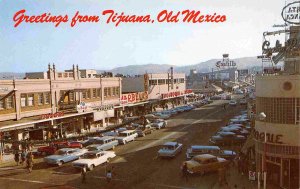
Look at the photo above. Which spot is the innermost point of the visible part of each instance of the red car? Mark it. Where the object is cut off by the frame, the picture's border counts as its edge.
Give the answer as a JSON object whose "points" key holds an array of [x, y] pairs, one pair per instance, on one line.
{"points": [[53, 147]]}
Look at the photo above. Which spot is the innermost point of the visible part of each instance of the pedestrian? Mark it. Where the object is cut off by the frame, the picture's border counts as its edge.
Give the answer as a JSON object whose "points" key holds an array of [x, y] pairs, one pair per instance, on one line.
{"points": [[83, 175], [108, 176], [184, 170], [23, 157], [17, 157], [29, 161], [224, 106]]}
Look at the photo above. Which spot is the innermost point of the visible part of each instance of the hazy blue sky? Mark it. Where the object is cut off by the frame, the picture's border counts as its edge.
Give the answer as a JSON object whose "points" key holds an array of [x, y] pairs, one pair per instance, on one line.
{"points": [[30, 47]]}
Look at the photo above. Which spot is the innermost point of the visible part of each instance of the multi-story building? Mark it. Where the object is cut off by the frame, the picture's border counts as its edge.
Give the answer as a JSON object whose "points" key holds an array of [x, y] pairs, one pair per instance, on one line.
{"points": [[56, 103], [160, 88], [277, 124]]}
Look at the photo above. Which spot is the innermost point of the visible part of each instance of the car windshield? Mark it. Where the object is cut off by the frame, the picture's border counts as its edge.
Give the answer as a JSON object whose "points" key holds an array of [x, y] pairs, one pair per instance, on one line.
{"points": [[123, 134], [89, 156], [99, 142], [60, 152], [92, 148], [168, 147]]}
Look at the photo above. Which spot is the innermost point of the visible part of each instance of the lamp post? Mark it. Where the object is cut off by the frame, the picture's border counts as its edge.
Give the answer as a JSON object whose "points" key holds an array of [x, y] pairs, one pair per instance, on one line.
{"points": [[262, 117]]}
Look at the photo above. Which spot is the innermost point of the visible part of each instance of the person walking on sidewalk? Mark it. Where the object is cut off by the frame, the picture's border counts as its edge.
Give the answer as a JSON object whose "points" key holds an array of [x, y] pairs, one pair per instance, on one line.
{"points": [[17, 157], [23, 157], [29, 161]]}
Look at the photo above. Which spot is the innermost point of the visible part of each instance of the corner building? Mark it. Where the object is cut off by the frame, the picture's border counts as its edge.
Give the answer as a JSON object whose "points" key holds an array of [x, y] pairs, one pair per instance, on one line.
{"points": [[278, 97]]}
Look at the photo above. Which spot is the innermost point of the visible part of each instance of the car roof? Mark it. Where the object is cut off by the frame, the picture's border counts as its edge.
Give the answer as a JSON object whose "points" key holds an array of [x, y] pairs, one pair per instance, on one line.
{"points": [[170, 143], [94, 152], [204, 156], [128, 131], [106, 137], [67, 149], [198, 147]]}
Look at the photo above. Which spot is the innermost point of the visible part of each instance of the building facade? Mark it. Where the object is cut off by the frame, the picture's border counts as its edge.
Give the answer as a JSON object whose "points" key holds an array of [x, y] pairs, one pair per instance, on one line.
{"points": [[277, 143], [63, 102]]}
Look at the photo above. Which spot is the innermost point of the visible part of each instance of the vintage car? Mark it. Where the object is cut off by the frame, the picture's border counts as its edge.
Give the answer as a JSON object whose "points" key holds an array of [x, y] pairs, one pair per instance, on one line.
{"points": [[90, 141], [54, 146], [104, 143], [232, 103], [205, 163], [214, 150], [143, 131], [159, 123], [170, 149], [64, 155], [126, 136], [92, 159], [227, 138], [161, 115]]}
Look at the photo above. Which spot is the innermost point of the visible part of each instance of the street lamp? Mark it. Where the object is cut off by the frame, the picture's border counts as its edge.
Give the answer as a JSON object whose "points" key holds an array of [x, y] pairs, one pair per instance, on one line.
{"points": [[262, 117]]}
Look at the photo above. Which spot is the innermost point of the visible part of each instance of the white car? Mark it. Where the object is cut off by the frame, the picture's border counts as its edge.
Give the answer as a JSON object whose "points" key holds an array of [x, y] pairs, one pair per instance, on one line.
{"points": [[64, 155], [127, 136], [94, 158], [170, 149], [232, 103]]}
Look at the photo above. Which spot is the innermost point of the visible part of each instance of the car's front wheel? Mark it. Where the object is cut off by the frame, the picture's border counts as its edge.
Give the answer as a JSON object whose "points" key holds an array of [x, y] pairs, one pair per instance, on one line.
{"points": [[60, 163]]}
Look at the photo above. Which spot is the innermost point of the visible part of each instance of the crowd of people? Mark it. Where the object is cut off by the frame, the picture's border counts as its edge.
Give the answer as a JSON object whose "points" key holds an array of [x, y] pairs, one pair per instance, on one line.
{"points": [[24, 157]]}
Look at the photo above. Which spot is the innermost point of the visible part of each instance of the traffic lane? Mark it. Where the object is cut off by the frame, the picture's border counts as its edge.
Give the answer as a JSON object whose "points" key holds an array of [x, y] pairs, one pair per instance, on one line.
{"points": [[143, 169]]}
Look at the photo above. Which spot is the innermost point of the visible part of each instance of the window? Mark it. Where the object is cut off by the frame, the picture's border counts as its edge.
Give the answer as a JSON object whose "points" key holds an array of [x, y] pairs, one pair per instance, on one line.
{"points": [[40, 99], [84, 94], [161, 81], [9, 102], [59, 75], [88, 95], [117, 91], [152, 82], [66, 75], [30, 100], [108, 92], [1, 104], [113, 91], [23, 100], [94, 93], [105, 92], [47, 98]]}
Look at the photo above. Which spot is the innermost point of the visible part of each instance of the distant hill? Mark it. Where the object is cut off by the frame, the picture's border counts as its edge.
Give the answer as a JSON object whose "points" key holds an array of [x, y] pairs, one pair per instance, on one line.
{"points": [[242, 63]]}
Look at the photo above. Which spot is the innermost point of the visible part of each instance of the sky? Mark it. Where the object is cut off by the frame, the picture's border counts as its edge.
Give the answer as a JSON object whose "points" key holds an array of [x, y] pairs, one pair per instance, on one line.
{"points": [[30, 47]]}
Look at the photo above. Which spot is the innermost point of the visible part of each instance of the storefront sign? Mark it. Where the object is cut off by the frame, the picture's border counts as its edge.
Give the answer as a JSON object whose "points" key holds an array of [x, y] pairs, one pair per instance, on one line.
{"points": [[57, 114], [271, 138], [251, 175], [131, 98], [292, 44], [291, 13], [90, 106], [175, 94]]}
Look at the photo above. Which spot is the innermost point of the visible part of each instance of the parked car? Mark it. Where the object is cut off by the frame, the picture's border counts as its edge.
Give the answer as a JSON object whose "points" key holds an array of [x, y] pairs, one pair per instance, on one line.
{"points": [[90, 141], [239, 121], [170, 149], [243, 101], [235, 129], [205, 163], [141, 131], [104, 143], [161, 115], [227, 138], [214, 150], [92, 159], [126, 136], [64, 155], [54, 146], [232, 103], [159, 123], [111, 133]]}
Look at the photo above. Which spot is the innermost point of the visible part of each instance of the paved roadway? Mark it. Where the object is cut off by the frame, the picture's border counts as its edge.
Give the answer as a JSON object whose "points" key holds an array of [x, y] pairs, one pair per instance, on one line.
{"points": [[136, 165]]}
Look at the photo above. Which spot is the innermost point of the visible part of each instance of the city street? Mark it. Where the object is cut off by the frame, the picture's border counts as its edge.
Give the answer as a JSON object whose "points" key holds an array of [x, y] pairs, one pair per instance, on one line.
{"points": [[137, 164]]}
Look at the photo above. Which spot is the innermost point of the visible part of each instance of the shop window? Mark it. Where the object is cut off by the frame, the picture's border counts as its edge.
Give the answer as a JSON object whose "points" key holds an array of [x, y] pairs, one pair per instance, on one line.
{"points": [[30, 99], [9, 102], [71, 96], [40, 99], [23, 100], [47, 98]]}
